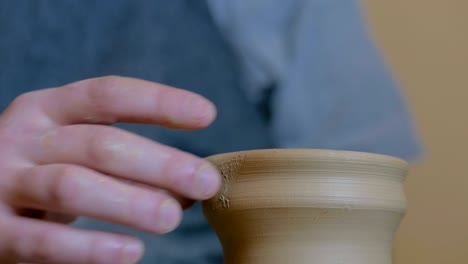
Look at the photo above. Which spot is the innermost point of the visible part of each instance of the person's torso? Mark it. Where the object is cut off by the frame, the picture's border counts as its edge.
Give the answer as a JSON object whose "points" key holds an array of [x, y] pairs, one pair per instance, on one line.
{"points": [[51, 43]]}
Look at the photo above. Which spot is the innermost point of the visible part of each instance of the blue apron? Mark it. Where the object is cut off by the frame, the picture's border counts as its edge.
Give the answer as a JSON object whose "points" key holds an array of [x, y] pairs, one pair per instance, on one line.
{"points": [[51, 43]]}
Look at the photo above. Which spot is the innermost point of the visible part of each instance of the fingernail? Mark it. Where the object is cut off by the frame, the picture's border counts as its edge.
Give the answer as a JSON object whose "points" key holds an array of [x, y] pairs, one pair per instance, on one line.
{"points": [[169, 214], [133, 251], [207, 181]]}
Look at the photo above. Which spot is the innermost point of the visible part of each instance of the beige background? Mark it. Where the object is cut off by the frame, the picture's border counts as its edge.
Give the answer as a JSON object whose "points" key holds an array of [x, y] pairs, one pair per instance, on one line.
{"points": [[426, 44]]}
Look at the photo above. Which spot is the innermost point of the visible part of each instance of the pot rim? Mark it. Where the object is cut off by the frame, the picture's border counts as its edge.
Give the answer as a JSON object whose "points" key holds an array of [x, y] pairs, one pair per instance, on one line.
{"points": [[318, 155]]}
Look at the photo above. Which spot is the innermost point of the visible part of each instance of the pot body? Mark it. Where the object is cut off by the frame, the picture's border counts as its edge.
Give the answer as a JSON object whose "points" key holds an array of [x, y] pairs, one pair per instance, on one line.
{"points": [[307, 206]]}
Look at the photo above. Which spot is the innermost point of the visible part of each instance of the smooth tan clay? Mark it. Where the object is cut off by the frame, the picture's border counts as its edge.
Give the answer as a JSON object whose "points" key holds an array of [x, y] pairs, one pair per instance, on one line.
{"points": [[307, 206]]}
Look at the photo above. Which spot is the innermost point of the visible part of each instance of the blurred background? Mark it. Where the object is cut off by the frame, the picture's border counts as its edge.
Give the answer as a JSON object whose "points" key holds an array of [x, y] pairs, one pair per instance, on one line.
{"points": [[426, 44]]}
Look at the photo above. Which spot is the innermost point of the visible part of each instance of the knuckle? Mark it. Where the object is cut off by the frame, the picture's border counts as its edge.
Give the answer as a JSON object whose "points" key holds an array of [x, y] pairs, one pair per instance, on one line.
{"points": [[102, 148], [103, 88], [109, 147], [64, 187], [178, 175], [43, 247], [168, 175], [31, 246], [26, 99], [25, 115], [100, 94]]}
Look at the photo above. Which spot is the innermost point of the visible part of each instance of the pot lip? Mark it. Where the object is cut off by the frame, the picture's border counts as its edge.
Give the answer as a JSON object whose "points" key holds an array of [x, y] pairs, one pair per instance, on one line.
{"points": [[319, 155]]}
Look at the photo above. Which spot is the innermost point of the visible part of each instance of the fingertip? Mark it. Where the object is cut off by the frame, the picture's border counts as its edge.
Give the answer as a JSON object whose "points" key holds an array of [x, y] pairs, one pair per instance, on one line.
{"points": [[208, 181], [170, 216], [202, 112], [118, 249], [212, 113], [133, 251]]}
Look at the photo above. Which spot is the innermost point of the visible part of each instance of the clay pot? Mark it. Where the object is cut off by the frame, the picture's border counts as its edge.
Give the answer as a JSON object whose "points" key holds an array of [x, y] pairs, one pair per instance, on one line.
{"points": [[307, 206]]}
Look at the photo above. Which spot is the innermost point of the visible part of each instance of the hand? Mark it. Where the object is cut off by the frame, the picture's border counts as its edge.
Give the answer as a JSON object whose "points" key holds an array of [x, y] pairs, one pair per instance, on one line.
{"points": [[59, 159]]}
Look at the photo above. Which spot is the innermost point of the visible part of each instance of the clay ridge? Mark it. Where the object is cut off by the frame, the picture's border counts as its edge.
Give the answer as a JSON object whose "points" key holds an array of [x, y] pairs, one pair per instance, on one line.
{"points": [[228, 169]]}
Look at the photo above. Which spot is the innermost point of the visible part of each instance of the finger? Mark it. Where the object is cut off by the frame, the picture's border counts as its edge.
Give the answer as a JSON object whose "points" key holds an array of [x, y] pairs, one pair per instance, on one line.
{"points": [[108, 100], [30, 240], [80, 191], [184, 202], [126, 155]]}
